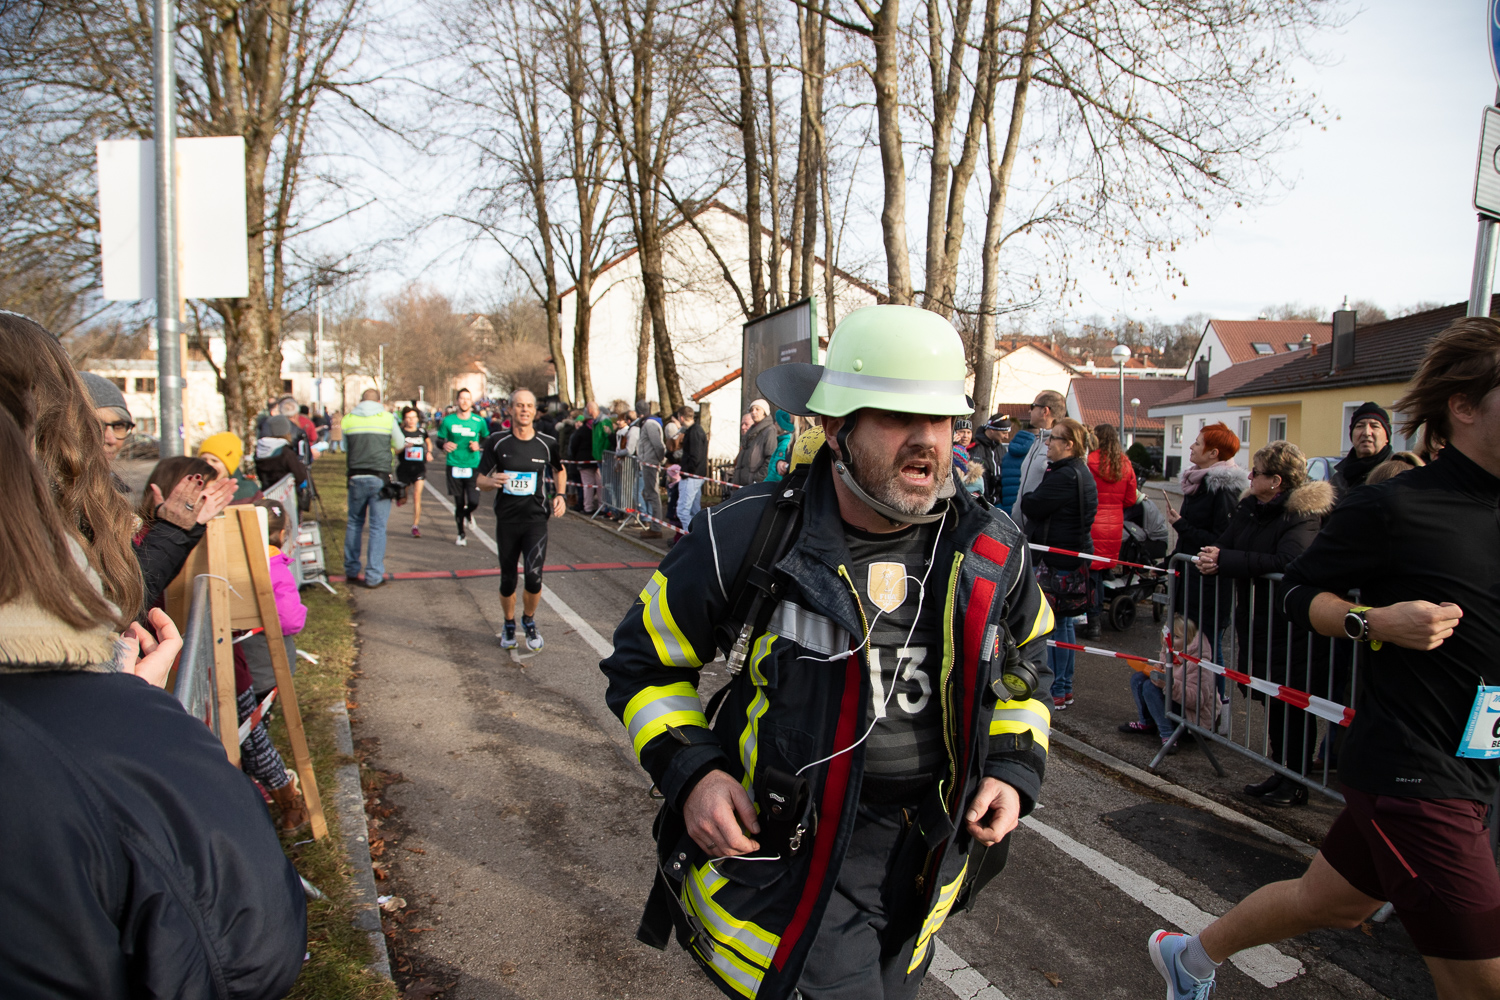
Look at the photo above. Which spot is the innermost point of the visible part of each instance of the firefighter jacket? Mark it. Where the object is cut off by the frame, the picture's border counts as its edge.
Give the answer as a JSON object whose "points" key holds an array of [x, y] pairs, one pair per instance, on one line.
{"points": [[797, 701]]}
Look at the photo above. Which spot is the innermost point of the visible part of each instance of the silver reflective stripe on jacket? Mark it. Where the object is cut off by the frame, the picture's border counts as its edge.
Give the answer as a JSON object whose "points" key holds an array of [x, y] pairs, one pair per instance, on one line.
{"points": [[808, 629]]}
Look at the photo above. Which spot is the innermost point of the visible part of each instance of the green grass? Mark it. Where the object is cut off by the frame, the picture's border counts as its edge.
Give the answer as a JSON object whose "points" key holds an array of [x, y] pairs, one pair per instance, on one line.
{"points": [[340, 952]]}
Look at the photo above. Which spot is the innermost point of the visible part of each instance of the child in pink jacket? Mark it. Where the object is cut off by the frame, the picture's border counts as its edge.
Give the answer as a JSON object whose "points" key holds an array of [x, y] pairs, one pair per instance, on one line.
{"points": [[289, 607]]}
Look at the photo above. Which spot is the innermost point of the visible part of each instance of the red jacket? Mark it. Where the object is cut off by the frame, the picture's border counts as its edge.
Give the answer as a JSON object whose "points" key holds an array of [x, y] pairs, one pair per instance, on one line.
{"points": [[1114, 497]]}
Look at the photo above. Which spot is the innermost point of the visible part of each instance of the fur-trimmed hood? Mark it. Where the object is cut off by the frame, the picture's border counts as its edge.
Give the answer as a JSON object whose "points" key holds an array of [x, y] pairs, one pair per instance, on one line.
{"points": [[1313, 497], [1227, 476]]}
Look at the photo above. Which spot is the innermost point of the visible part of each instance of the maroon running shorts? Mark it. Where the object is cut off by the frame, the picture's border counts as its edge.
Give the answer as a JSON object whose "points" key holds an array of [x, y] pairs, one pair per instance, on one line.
{"points": [[1430, 858]]}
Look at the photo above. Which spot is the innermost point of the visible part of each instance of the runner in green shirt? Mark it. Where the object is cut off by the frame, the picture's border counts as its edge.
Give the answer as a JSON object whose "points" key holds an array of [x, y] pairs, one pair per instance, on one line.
{"points": [[460, 435]]}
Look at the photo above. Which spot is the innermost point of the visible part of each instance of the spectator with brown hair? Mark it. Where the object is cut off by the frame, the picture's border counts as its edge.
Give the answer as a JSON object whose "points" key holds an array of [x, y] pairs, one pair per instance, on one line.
{"points": [[1048, 408], [142, 862], [1114, 478], [1399, 462]]}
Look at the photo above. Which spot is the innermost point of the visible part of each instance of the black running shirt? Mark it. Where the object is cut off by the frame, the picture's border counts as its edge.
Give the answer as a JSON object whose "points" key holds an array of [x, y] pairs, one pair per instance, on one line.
{"points": [[905, 750], [531, 464]]}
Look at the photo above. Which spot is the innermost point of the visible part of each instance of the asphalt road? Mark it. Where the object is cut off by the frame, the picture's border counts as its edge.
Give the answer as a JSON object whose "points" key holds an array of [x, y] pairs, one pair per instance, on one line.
{"points": [[520, 832]]}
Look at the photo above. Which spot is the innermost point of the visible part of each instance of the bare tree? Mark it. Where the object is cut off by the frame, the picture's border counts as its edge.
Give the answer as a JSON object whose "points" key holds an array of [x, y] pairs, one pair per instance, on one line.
{"points": [[430, 344]]}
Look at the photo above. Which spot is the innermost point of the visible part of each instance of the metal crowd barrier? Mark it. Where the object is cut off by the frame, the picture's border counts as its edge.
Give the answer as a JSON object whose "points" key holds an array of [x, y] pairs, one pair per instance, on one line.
{"points": [[1314, 681], [196, 686], [617, 475]]}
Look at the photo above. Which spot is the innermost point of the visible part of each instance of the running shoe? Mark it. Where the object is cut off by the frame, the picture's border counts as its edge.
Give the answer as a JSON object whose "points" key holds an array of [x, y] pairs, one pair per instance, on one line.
{"points": [[533, 637], [461, 541], [1059, 704], [416, 532], [1165, 948], [1068, 698], [508, 636]]}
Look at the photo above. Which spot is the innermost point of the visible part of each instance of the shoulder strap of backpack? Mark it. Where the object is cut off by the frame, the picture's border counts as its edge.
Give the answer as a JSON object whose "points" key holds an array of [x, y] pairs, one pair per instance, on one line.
{"points": [[752, 594]]}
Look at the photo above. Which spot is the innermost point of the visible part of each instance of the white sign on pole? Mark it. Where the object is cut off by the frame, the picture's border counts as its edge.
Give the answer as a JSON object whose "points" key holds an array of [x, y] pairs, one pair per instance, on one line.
{"points": [[213, 254], [1487, 174]]}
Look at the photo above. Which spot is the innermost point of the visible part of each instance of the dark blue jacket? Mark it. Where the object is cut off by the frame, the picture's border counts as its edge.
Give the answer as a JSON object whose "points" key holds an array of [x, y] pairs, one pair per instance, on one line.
{"points": [[1010, 468], [141, 862]]}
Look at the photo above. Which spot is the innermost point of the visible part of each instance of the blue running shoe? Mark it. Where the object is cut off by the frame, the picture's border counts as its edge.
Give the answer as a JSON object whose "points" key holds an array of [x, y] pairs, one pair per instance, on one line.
{"points": [[1165, 947], [533, 637], [508, 636]]}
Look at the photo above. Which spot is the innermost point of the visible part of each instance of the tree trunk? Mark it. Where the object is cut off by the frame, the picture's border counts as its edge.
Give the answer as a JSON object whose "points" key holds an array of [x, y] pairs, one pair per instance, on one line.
{"points": [[887, 79], [1000, 172], [773, 166], [737, 14], [812, 109], [642, 353]]}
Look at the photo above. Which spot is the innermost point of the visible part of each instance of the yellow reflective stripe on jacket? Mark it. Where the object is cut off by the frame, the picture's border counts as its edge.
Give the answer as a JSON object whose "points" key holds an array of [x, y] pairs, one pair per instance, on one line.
{"points": [[753, 943], [750, 736], [653, 709], [672, 647], [738, 950], [1023, 716], [935, 919], [1045, 622]]}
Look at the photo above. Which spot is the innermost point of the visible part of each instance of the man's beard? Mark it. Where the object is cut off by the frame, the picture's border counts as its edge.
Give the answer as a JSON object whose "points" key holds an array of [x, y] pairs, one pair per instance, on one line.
{"points": [[881, 477]]}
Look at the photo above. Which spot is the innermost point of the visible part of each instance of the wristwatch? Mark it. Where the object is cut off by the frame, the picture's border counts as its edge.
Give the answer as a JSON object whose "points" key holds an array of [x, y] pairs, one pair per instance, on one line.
{"points": [[1356, 626]]}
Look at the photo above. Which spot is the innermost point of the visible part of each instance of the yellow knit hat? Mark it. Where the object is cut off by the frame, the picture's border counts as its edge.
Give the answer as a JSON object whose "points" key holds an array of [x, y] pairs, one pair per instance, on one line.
{"points": [[226, 447]]}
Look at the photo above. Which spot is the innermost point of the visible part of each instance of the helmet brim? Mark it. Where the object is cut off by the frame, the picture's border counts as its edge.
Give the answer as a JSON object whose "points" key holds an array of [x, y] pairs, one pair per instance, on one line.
{"points": [[790, 386]]}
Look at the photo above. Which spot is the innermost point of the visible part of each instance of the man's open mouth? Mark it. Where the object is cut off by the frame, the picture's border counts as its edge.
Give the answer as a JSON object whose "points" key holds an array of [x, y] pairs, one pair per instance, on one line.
{"points": [[917, 473]]}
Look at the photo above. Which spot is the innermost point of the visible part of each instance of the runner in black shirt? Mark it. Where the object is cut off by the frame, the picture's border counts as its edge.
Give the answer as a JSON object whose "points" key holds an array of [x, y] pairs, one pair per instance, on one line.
{"points": [[516, 463], [1419, 764], [411, 464]]}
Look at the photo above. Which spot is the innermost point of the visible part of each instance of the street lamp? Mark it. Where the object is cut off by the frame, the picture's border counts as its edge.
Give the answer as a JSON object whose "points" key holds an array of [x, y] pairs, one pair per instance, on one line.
{"points": [[1120, 355], [1133, 404]]}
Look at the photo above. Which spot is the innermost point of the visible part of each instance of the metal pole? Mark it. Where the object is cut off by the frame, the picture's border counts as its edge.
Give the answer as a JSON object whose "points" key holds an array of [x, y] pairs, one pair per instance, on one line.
{"points": [[168, 353], [318, 349], [382, 373], [1483, 280], [1121, 365]]}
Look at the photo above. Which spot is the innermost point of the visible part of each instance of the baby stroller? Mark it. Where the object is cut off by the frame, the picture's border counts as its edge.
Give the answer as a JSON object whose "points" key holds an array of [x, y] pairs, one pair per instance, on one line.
{"points": [[1126, 586]]}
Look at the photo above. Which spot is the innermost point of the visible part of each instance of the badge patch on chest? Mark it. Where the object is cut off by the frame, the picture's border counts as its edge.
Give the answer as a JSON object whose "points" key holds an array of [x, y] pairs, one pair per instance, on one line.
{"points": [[887, 585]]}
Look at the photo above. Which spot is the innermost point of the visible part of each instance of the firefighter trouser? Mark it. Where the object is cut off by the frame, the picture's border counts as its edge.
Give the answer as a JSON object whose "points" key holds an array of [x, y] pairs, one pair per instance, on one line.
{"points": [[864, 943]]}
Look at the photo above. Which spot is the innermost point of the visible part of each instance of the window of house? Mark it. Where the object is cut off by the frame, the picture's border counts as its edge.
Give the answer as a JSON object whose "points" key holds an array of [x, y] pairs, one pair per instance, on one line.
{"points": [[146, 425], [286, 385], [1245, 429], [1263, 348], [1292, 345], [1278, 429], [1177, 434], [119, 383], [1202, 422], [145, 385]]}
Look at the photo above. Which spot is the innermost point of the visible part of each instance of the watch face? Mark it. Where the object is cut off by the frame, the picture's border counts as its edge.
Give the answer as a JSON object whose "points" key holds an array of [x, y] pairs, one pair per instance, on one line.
{"points": [[1354, 625]]}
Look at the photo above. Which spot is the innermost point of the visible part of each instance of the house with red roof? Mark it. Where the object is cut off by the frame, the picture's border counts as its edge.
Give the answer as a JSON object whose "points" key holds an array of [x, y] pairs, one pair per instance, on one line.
{"points": [[1228, 342]]}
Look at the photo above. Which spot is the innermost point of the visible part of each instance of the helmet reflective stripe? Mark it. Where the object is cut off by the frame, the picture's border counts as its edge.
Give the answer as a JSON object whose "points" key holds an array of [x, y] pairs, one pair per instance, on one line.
{"points": [[884, 383]]}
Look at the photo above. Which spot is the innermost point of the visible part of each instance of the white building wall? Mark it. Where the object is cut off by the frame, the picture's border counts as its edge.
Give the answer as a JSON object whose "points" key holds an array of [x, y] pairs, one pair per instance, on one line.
{"points": [[1210, 347], [1026, 371], [1193, 418], [703, 314]]}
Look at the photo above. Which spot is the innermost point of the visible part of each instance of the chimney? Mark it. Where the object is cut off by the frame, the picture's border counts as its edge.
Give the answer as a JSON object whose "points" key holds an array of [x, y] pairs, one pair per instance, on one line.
{"points": [[1342, 348], [1200, 378], [1307, 342]]}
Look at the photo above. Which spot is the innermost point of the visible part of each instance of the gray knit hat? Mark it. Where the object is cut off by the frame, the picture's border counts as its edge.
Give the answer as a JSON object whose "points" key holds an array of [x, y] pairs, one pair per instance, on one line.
{"points": [[105, 394], [278, 427]]}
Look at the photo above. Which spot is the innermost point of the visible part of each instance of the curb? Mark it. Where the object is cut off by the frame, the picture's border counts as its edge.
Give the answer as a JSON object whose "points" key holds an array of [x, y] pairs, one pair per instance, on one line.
{"points": [[350, 801], [1160, 784], [609, 527]]}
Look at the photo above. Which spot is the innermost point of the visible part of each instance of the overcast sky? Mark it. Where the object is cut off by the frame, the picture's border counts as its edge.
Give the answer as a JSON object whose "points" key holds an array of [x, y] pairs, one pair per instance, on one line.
{"points": [[1380, 206]]}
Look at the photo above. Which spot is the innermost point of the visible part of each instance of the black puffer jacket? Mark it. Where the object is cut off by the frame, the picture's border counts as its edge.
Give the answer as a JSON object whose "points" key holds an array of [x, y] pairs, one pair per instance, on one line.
{"points": [[1053, 513], [1264, 538], [143, 864], [1206, 514]]}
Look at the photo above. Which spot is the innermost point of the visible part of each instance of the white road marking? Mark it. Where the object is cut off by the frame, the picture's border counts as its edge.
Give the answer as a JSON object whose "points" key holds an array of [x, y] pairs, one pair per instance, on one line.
{"points": [[601, 646], [956, 974], [1262, 963]]}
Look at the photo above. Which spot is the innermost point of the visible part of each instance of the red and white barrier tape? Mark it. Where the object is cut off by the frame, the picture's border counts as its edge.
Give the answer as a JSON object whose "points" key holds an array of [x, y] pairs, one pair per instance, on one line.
{"points": [[694, 475], [1311, 703], [1097, 559], [648, 517], [256, 716]]}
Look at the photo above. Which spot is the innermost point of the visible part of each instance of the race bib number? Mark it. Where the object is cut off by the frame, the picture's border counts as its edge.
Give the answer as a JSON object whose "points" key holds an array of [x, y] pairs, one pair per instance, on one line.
{"points": [[521, 484], [414, 453], [459, 472], [1482, 734]]}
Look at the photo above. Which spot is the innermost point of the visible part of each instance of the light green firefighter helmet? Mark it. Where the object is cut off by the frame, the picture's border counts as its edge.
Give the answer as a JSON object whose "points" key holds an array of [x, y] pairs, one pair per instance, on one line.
{"points": [[897, 358]]}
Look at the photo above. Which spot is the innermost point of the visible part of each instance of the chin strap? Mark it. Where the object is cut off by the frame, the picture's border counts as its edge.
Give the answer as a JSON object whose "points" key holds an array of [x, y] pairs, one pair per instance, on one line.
{"points": [[946, 490]]}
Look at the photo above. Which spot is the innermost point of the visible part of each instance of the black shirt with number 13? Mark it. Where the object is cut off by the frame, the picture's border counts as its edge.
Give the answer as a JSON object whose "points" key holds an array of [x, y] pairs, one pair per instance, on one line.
{"points": [[532, 464]]}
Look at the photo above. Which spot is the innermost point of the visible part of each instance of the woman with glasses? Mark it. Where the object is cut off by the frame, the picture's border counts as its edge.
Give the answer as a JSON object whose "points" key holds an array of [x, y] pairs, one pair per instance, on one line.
{"points": [[1060, 512], [1274, 524]]}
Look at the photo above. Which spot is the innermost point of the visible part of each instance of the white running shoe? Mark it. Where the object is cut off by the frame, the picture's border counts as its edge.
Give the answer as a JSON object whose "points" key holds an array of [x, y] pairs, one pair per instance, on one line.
{"points": [[1165, 948], [533, 637], [461, 541]]}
